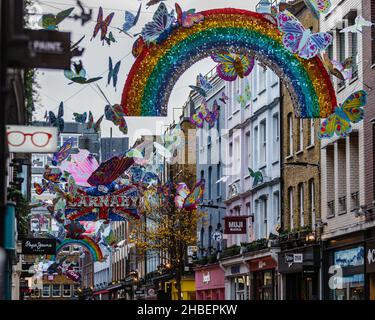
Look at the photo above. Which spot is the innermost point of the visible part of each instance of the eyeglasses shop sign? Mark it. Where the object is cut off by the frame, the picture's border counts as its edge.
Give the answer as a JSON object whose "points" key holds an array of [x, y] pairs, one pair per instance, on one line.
{"points": [[38, 246], [235, 225]]}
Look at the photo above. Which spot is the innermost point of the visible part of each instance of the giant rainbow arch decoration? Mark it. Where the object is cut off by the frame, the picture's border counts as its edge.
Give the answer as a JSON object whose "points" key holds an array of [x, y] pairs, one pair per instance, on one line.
{"points": [[158, 67], [86, 242]]}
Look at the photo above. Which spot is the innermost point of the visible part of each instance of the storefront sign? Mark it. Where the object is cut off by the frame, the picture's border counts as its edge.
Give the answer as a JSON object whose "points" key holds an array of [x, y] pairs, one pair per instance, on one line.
{"points": [[31, 139], [206, 278], [38, 246], [192, 251], [48, 49], [370, 257], [140, 291], [262, 264], [235, 225], [350, 257], [299, 260], [112, 206], [72, 275]]}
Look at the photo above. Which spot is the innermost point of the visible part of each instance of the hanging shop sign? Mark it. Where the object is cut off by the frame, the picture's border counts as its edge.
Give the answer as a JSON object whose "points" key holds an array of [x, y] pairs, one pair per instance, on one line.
{"points": [[370, 257], [264, 263], [235, 225], [38, 246], [72, 275], [97, 203], [48, 49], [31, 139]]}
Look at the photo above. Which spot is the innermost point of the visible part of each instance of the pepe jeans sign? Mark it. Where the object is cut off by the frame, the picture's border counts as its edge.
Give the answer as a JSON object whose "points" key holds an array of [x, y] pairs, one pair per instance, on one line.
{"points": [[38, 246], [235, 225]]}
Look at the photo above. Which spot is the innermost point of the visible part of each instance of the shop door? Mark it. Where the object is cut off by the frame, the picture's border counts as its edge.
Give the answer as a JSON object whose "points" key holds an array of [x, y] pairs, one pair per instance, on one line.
{"points": [[293, 283]]}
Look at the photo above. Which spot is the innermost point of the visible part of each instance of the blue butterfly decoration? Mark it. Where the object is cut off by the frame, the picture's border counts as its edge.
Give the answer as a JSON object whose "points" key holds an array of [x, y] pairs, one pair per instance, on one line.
{"points": [[130, 21], [113, 73], [162, 22], [57, 121], [80, 117], [203, 86]]}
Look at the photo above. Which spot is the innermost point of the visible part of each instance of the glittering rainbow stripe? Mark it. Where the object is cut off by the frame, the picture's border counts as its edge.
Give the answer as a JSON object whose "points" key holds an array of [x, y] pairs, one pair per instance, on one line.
{"points": [[156, 70], [86, 242]]}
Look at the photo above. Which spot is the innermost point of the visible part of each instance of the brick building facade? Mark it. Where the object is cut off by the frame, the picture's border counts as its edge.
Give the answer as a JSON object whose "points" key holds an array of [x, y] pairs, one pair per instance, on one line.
{"points": [[300, 156]]}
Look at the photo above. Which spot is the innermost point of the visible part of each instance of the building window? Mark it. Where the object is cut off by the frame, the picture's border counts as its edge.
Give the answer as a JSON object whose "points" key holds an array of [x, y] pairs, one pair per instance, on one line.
{"points": [[312, 203], [263, 141], [276, 205], [67, 290], [300, 135], [353, 49], [202, 240], [46, 290], [262, 79], [210, 183], [311, 133], [248, 149], [291, 214], [341, 177], [290, 131], [265, 217], [56, 292], [330, 185], [209, 237], [341, 54], [301, 204], [275, 136], [255, 150]]}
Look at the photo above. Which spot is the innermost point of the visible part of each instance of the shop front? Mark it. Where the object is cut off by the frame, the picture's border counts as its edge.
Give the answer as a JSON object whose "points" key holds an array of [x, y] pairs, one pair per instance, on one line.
{"points": [[209, 282], [345, 268], [187, 288], [101, 295], [237, 278], [299, 269], [370, 268], [263, 278]]}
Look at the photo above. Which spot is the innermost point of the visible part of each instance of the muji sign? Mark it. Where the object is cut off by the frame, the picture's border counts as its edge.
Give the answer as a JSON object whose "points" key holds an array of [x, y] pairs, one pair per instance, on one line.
{"points": [[235, 225]]}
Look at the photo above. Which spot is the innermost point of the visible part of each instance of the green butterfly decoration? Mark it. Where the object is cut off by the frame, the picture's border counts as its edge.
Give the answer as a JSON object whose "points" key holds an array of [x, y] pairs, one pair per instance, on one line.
{"points": [[258, 177], [51, 21]]}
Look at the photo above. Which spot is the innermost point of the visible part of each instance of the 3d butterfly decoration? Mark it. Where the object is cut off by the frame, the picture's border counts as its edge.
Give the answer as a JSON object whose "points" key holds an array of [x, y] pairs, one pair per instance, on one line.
{"points": [[116, 114], [113, 73], [85, 16], [257, 176], [319, 6], [299, 40], [138, 47], [63, 153], [130, 21], [213, 115], [166, 189], [224, 98], [152, 2], [94, 125], [202, 86], [359, 23], [80, 117], [163, 152], [188, 18], [199, 116], [57, 121], [162, 21], [230, 66], [110, 170], [78, 75], [189, 200], [52, 177], [51, 21], [137, 156], [75, 50], [63, 196], [350, 111], [140, 176], [245, 97], [45, 186], [81, 166], [340, 70], [102, 25], [110, 38]]}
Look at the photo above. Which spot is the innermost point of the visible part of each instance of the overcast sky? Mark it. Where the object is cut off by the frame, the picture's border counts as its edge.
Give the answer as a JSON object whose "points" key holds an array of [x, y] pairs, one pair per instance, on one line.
{"points": [[81, 98]]}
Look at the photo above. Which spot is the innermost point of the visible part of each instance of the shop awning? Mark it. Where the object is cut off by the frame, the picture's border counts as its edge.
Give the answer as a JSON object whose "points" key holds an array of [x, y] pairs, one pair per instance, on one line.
{"points": [[100, 292]]}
